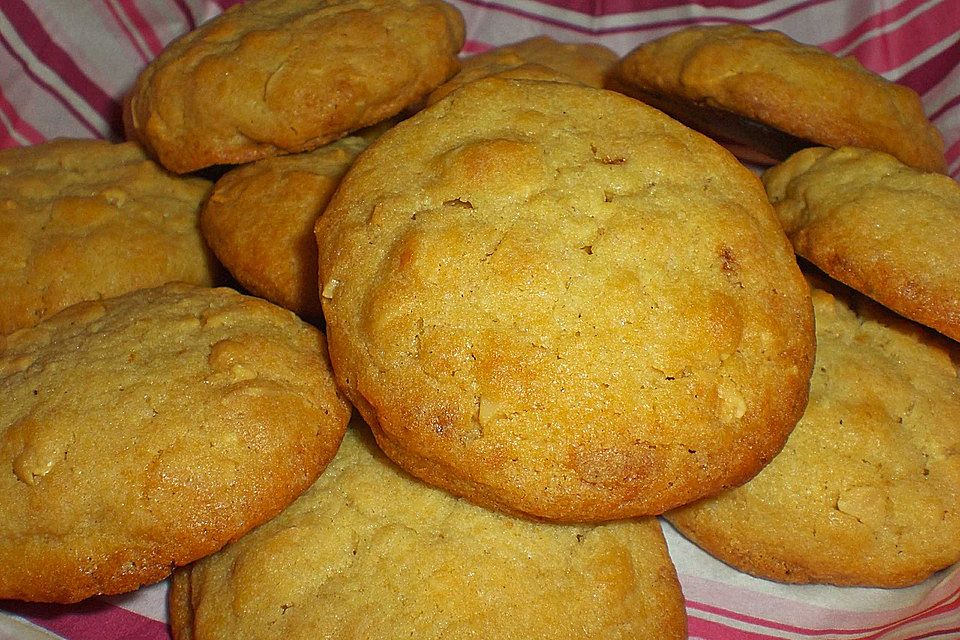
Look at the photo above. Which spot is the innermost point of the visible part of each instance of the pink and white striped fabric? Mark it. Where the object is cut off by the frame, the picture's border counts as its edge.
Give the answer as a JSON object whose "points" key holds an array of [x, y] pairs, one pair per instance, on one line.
{"points": [[64, 66]]}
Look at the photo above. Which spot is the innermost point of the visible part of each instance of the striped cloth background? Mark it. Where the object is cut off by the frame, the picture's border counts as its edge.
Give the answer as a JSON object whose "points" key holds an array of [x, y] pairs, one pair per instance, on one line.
{"points": [[64, 64]]}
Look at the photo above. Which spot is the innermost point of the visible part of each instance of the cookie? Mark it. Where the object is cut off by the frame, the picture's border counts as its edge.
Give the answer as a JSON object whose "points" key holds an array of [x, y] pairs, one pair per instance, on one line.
{"points": [[538, 58], [269, 77], [378, 554], [867, 489], [83, 219], [753, 84], [142, 432], [877, 225], [260, 216], [508, 71], [554, 300]]}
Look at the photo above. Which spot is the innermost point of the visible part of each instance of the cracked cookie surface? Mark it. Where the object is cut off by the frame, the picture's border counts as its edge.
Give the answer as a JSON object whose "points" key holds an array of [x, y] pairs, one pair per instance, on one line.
{"points": [[554, 300], [379, 554], [867, 489], [141, 432]]}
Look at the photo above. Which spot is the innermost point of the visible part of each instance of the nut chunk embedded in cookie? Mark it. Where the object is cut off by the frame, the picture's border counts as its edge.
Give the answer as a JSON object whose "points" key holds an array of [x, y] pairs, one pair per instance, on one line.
{"points": [[280, 76], [555, 300]]}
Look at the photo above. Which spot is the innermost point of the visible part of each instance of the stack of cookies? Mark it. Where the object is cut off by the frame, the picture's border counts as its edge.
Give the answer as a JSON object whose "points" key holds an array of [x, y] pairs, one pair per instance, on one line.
{"points": [[557, 311], [867, 489]]}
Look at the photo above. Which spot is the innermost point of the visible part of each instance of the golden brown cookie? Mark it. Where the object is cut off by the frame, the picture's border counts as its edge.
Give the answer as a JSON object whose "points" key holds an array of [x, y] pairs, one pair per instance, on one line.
{"points": [[877, 225], [555, 300], [260, 216], [867, 489], [84, 219], [538, 58], [142, 432], [509, 71], [749, 80], [278, 76], [369, 552]]}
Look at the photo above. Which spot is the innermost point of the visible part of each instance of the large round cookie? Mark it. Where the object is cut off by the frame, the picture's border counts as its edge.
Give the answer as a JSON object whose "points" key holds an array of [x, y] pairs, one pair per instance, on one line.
{"points": [[259, 221], [870, 221], [867, 489], [369, 552], [278, 76], [800, 90], [83, 219], [555, 300], [142, 432]]}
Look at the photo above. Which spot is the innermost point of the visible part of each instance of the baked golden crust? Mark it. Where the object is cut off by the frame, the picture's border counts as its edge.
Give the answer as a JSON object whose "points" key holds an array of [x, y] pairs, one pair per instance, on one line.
{"points": [[259, 221], [867, 489], [279, 76], [877, 225], [369, 552], [797, 88], [538, 58], [555, 300], [83, 219], [142, 432]]}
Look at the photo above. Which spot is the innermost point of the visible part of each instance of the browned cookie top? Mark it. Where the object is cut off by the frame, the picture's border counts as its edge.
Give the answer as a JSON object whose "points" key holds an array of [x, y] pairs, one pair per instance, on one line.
{"points": [[799, 89], [142, 432], [278, 76], [555, 300], [84, 219]]}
